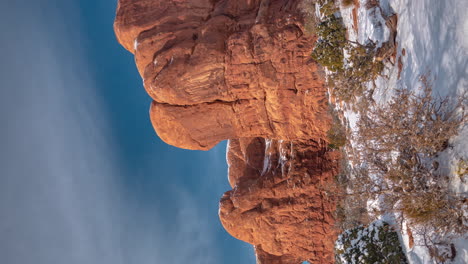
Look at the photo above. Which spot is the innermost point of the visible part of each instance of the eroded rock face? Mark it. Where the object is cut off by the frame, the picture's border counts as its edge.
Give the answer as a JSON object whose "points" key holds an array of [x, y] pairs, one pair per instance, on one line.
{"points": [[282, 200], [225, 69], [241, 70]]}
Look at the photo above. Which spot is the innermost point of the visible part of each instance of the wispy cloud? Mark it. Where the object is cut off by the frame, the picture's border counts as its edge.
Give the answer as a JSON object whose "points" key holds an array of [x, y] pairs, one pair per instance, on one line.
{"points": [[186, 240], [60, 197]]}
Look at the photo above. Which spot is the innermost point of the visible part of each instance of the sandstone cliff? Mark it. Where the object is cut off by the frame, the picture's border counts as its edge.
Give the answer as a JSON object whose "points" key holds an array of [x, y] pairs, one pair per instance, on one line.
{"points": [[241, 70], [225, 69], [281, 199]]}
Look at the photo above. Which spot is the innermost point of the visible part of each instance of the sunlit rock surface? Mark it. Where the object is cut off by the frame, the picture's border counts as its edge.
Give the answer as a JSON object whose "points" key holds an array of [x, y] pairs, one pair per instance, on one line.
{"points": [[282, 199], [241, 70], [225, 69]]}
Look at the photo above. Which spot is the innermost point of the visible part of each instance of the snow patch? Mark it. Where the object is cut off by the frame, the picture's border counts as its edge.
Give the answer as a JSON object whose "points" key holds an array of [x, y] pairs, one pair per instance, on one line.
{"points": [[434, 36]]}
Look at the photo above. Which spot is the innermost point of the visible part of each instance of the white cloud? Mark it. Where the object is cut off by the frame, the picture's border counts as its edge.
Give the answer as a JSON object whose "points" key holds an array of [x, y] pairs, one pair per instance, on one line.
{"points": [[60, 197]]}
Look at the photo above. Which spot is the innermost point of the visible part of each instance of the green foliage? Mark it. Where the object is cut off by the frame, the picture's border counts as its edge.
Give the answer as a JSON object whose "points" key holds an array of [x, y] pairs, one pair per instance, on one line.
{"points": [[348, 75], [328, 50], [375, 244], [362, 68], [363, 65]]}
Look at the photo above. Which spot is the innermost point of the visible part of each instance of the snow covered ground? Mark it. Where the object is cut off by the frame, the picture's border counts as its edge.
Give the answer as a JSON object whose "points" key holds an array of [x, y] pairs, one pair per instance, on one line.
{"points": [[432, 37]]}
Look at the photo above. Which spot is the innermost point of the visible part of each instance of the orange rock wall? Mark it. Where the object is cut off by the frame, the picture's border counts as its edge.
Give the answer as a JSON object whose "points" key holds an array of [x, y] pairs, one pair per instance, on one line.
{"points": [[282, 199], [241, 70], [225, 69]]}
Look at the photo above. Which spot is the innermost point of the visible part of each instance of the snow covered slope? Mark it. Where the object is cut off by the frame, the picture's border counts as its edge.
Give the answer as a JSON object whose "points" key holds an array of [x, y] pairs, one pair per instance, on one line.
{"points": [[432, 37]]}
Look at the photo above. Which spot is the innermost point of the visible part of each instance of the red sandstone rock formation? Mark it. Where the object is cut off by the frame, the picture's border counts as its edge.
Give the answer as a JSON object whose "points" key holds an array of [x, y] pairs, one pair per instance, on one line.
{"points": [[225, 69], [281, 199], [241, 70]]}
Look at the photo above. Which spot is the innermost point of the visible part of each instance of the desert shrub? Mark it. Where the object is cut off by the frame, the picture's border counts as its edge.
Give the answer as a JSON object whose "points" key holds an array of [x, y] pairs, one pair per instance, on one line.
{"points": [[328, 50], [328, 7], [361, 68], [412, 124], [439, 245], [336, 135], [376, 243], [398, 142], [423, 207], [351, 212], [442, 252], [347, 3], [349, 75]]}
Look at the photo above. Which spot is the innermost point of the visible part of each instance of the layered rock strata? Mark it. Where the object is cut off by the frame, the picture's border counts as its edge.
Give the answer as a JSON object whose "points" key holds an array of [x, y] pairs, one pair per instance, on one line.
{"points": [[241, 70], [282, 199], [225, 69]]}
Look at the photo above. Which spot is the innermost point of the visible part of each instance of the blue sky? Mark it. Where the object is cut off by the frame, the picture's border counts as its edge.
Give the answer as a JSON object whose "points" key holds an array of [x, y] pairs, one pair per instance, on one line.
{"points": [[83, 177]]}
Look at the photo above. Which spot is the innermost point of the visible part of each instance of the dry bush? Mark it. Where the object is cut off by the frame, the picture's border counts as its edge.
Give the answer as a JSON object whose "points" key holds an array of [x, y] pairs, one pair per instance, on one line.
{"points": [[397, 144], [336, 135], [347, 3], [362, 67], [439, 209], [412, 124], [351, 210], [439, 246], [443, 253]]}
